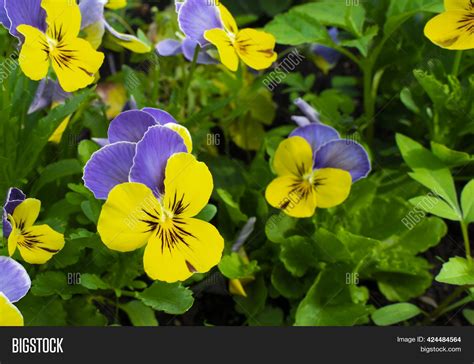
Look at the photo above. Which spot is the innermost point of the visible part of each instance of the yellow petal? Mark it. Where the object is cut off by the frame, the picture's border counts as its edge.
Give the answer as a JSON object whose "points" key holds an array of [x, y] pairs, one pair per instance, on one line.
{"points": [[33, 59], [227, 19], [26, 213], [58, 133], [116, 4], [76, 63], [224, 45], [183, 133], [13, 237], [236, 288], [63, 18], [195, 247], [294, 196], [9, 314], [457, 4], [293, 157], [94, 34], [188, 185], [256, 48], [39, 243], [128, 217], [332, 186], [451, 30]]}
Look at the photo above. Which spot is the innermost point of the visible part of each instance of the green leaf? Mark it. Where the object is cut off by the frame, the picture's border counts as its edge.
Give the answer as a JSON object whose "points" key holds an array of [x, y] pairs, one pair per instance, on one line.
{"points": [[51, 283], [232, 206], [81, 312], [254, 303], [232, 266], [56, 171], [207, 213], [467, 202], [328, 302], [457, 271], [435, 206], [92, 281], [85, 150], [286, 284], [329, 248], [139, 314], [469, 315], [393, 314], [171, 298], [451, 158], [270, 316], [298, 255], [42, 311]]}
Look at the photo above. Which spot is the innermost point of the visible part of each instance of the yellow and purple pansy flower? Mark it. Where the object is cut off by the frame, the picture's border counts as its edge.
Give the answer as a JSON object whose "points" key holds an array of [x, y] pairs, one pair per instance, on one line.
{"points": [[315, 168], [325, 57], [37, 243], [453, 29], [154, 188], [94, 25], [14, 285], [206, 23], [49, 31]]}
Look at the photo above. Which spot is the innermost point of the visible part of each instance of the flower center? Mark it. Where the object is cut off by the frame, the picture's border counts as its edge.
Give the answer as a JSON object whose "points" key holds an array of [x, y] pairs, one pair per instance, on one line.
{"points": [[52, 43]]}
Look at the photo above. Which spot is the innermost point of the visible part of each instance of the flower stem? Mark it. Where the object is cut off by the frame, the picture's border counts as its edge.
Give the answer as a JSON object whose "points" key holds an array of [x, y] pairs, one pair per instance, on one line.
{"points": [[456, 63], [187, 82], [467, 244], [442, 307]]}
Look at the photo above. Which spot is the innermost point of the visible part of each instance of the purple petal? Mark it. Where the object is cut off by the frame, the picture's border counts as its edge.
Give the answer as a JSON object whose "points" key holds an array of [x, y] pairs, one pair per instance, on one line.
{"points": [[108, 167], [14, 280], [14, 197], [48, 91], [130, 126], [3, 15], [153, 152], [309, 111], [197, 16], [177, 5], [27, 12], [101, 141], [92, 11], [189, 46], [169, 47], [301, 120], [344, 154], [316, 134], [161, 117]]}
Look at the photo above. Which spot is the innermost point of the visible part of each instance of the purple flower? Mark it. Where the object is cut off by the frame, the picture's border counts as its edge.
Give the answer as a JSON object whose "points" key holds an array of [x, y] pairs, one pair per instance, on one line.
{"points": [[14, 197], [140, 143], [311, 115], [14, 13], [14, 280], [330, 56], [187, 47], [47, 93]]}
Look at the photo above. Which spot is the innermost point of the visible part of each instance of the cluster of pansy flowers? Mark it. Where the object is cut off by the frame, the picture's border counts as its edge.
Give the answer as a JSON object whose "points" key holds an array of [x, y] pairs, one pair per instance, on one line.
{"points": [[206, 24], [154, 187], [315, 167], [48, 32]]}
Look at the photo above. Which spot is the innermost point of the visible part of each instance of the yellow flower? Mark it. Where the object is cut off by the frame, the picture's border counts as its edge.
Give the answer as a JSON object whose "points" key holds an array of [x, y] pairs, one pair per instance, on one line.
{"points": [[37, 243], [454, 28], [177, 245], [9, 314], [73, 59], [299, 188], [254, 47], [116, 4]]}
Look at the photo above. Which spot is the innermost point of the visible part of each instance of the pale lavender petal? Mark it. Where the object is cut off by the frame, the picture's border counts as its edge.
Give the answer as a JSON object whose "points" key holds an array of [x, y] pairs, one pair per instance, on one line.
{"points": [[14, 197], [330, 55], [177, 5], [316, 134], [189, 46], [14, 280], [108, 167], [169, 47], [101, 141], [3, 15], [197, 16], [301, 120], [48, 91], [27, 12], [344, 154], [161, 117], [153, 152], [130, 126], [92, 11], [309, 111]]}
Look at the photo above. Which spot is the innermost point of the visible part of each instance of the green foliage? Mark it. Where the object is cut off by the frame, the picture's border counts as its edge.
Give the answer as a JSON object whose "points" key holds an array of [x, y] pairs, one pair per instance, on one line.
{"points": [[394, 314]]}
